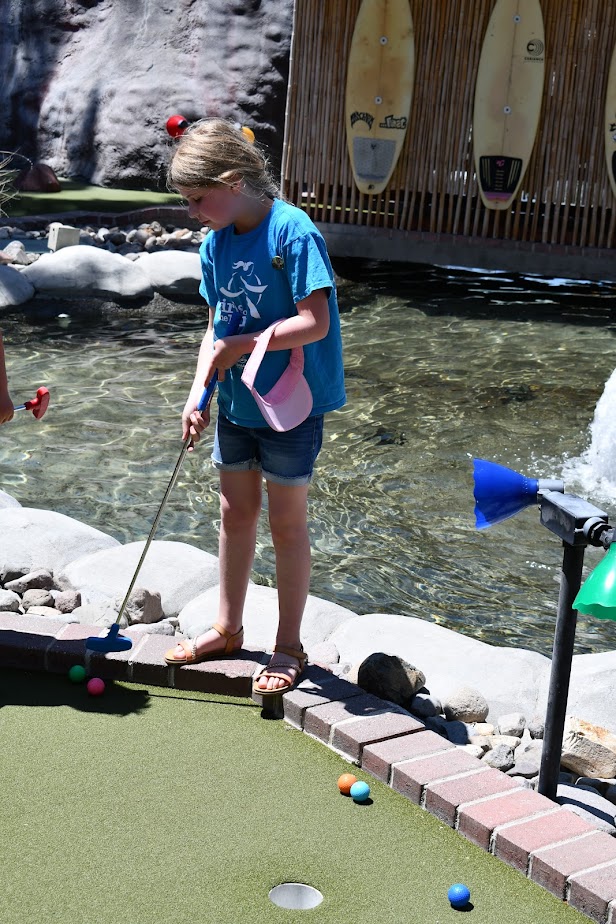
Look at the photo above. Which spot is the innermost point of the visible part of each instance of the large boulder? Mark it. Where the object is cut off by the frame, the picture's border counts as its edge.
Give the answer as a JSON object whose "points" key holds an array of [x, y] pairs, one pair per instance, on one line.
{"points": [[588, 749], [261, 617], [7, 500], [32, 539], [592, 688], [15, 288], [172, 273], [81, 270], [509, 678], [177, 571], [88, 87], [38, 178], [390, 677]]}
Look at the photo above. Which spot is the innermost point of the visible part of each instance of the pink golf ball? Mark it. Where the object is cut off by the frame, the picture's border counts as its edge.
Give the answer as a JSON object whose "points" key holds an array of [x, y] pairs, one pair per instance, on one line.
{"points": [[96, 686]]}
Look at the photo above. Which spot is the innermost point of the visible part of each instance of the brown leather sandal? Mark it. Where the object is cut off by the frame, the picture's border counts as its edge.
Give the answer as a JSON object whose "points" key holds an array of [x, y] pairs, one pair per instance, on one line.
{"points": [[279, 671], [190, 647]]}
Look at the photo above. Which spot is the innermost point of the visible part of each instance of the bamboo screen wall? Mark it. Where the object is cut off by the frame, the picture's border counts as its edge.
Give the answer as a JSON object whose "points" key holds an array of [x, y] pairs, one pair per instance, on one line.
{"points": [[565, 198]]}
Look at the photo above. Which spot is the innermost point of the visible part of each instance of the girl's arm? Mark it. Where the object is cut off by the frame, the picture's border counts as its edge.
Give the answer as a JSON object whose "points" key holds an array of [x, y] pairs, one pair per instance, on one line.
{"points": [[310, 325], [6, 405]]}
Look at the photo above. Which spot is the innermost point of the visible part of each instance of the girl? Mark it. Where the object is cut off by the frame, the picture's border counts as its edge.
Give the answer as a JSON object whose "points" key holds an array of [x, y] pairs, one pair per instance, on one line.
{"points": [[265, 259]]}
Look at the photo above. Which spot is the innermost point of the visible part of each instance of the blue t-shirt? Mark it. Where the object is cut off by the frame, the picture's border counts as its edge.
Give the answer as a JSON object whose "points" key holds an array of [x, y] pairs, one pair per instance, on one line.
{"points": [[263, 274]]}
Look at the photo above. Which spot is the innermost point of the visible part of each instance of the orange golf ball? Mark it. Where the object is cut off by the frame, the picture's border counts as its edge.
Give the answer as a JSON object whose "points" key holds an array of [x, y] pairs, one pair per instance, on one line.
{"points": [[345, 782]]}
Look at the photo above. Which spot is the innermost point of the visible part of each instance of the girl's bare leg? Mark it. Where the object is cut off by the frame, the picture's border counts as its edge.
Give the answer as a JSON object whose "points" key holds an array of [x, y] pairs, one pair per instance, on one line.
{"points": [[289, 528], [240, 505]]}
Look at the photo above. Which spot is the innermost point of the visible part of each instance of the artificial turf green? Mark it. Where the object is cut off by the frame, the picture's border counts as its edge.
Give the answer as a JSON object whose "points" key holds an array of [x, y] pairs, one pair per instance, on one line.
{"points": [[148, 806], [76, 196]]}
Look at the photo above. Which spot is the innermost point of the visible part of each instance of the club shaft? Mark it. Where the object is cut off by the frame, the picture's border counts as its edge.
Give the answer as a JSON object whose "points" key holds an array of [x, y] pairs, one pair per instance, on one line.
{"points": [[203, 403], [159, 514]]}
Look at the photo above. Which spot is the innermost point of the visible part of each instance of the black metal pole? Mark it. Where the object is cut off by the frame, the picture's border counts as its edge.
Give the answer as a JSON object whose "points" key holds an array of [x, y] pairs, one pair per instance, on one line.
{"points": [[562, 654]]}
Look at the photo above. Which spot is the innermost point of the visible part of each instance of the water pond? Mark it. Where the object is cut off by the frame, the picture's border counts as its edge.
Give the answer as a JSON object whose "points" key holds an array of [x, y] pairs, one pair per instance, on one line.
{"points": [[441, 365]]}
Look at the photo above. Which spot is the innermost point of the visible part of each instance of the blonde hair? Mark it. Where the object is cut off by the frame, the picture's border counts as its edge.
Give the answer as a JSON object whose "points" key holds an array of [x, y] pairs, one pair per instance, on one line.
{"points": [[214, 152]]}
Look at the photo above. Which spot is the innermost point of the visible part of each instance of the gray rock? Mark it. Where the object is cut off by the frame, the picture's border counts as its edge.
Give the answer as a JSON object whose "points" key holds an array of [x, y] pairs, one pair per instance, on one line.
{"points": [[31, 538], [589, 805], [509, 741], [425, 705], [176, 570], [143, 606], [525, 767], [172, 273], [37, 598], [473, 750], [49, 611], [500, 758], [536, 727], [438, 725], [9, 601], [324, 653], [15, 288], [457, 732], [592, 689], [10, 572], [483, 728], [467, 705], [6, 500], [163, 627], [390, 677], [510, 679], [86, 270], [588, 749], [523, 781], [40, 579], [67, 600], [93, 614], [512, 724], [601, 786], [15, 252], [480, 741]]}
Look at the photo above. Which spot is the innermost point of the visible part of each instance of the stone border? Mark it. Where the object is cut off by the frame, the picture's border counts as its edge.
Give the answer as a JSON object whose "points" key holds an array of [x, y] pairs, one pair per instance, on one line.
{"points": [[555, 848]]}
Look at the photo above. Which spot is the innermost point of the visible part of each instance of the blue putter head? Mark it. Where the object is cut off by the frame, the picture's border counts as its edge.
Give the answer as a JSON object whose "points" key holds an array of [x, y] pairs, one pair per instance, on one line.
{"points": [[110, 642]]}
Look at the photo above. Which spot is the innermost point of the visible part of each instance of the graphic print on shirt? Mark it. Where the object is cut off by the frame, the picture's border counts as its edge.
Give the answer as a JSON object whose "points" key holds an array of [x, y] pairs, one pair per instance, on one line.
{"points": [[244, 289]]}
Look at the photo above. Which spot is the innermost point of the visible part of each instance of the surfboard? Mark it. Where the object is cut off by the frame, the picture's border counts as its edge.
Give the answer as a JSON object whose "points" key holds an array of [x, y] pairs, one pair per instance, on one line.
{"points": [[379, 90], [610, 123], [508, 97]]}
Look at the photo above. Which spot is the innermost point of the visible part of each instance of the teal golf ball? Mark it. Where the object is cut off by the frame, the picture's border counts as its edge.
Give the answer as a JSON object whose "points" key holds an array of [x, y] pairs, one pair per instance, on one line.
{"points": [[77, 674], [360, 791], [459, 895]]}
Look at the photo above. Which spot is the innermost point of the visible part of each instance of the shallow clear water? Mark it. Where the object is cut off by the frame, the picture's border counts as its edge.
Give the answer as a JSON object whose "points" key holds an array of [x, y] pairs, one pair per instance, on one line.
{"points": [[441, 365]]}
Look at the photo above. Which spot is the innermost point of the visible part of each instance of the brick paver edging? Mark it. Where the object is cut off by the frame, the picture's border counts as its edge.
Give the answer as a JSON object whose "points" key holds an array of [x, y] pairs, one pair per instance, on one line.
{"points": [[552, 846]]}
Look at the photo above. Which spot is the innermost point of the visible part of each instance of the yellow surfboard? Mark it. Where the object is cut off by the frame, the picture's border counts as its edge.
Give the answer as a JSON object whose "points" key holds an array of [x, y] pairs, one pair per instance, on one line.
{"points": [[508, 98], [379, 90], [610, 123]]}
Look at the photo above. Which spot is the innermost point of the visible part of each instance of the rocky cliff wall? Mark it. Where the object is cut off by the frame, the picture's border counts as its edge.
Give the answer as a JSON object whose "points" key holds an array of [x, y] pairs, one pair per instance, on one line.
{"points": [[87, 85]]}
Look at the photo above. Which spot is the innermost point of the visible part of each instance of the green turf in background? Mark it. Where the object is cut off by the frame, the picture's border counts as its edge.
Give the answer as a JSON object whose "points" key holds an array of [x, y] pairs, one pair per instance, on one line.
{"points": [[76, 196], [147, 806]]}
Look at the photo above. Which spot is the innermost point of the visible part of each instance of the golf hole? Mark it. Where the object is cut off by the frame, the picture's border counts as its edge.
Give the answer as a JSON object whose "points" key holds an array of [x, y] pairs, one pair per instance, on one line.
{"points": [[295, 896]]}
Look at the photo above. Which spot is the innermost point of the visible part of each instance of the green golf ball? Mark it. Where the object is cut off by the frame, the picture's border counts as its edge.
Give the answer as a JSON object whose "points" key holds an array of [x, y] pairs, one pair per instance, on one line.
{"points": [[77, 674]]}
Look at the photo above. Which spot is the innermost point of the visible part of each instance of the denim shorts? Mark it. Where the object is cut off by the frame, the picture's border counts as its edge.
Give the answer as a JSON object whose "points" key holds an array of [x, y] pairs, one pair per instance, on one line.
{"points": [[285, 458]]}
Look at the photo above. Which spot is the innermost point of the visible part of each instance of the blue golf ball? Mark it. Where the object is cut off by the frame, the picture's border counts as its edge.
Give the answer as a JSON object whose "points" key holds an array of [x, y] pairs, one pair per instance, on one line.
{"points": [[459, 895], [360, 791]]}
